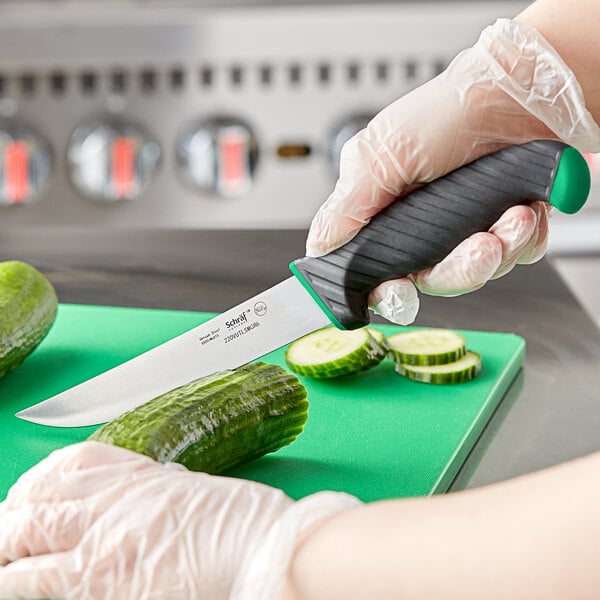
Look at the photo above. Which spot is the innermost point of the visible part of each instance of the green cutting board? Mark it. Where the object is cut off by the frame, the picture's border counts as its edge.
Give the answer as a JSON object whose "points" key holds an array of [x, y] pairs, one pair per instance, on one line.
{"points": [[375, 435]]}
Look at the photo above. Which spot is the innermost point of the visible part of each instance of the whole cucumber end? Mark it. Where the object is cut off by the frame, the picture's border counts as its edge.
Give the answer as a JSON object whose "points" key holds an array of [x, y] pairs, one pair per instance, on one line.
{"points": [[28, 306]]}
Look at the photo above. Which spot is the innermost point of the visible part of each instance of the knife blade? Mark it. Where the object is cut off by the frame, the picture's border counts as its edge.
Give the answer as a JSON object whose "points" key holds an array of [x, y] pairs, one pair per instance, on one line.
{"points": [[411, 234]]}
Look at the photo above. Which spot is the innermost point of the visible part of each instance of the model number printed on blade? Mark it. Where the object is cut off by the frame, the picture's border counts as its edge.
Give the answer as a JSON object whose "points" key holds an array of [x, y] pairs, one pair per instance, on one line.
{"points": [[238, 325], [240, 332]]}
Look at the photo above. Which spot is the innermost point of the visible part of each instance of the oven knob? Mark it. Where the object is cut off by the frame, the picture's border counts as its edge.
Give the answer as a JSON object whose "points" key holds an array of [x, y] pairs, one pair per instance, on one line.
{"points": [[341, 133], [25, 161], [218, 156], [112, 161]]}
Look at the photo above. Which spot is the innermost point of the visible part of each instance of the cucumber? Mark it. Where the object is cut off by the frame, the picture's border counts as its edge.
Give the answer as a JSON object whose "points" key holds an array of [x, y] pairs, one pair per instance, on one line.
{"points": [[464, 369], [379, 338], [217, 422], [332, 352], [28, 306], [427, 347]]}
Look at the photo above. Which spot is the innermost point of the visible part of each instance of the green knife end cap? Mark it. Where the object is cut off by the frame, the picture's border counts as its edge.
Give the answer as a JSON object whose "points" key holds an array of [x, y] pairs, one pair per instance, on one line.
{"points": [[572, 182]]}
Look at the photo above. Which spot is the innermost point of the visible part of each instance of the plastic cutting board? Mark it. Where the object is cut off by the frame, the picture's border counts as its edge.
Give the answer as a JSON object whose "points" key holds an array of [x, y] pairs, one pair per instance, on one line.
{"points": [[375, 435]]}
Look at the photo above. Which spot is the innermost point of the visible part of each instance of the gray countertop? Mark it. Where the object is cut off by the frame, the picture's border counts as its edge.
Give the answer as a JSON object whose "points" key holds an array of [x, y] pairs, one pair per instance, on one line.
{"points": [[550, 414]]}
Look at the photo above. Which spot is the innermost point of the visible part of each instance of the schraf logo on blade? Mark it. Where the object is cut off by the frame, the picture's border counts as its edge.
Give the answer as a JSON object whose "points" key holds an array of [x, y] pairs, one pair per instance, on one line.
{"points": [[236, 321]]}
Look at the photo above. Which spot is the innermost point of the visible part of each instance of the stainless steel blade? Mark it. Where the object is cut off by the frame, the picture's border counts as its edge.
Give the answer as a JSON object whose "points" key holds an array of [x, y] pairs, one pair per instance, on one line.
{"points": [[248, 331]]}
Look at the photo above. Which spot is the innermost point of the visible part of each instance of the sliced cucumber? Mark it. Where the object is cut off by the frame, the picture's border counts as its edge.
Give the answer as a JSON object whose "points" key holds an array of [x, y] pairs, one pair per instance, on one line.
{"points": [[427, 347], [379, 338], [464, 369], [331, 352]]}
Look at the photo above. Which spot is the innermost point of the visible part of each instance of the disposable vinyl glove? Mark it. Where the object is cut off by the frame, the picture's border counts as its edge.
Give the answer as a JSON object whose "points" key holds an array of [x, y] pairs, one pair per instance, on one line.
{"points": [[94, 521], [511, 87]]}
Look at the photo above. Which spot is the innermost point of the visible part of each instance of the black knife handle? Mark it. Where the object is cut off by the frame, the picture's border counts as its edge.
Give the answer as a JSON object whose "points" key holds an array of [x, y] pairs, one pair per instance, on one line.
{"points": [[419, 230]]}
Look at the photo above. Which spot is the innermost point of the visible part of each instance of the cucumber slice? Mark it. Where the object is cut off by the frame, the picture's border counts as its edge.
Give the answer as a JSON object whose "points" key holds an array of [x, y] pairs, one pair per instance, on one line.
{"points": [[464, 369], [379, 338], [427, 347], [332, 352]]}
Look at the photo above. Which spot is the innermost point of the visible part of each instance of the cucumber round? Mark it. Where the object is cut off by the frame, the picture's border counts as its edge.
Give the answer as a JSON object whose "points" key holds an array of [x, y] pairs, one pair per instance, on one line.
{"points": [[379, 338], [332, 352], [427, 347], [464, 369], [28, 306]]}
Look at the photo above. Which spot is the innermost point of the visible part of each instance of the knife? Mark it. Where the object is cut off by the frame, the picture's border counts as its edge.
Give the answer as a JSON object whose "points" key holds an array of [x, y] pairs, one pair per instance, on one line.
{"points": [[408, 236]]}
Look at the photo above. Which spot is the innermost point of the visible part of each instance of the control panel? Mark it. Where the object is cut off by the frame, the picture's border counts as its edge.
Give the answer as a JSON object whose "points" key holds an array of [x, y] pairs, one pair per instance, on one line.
{"points": [[203, 115]]}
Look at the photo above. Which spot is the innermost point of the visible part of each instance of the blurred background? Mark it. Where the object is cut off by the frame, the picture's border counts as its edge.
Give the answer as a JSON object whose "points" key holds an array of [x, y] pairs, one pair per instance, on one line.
{"points": [[217, 115]]}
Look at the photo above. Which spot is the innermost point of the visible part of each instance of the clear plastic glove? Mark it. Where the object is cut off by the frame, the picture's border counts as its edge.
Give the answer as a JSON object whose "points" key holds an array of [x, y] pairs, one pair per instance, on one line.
{"points": [[95, 521], [511, 87]]}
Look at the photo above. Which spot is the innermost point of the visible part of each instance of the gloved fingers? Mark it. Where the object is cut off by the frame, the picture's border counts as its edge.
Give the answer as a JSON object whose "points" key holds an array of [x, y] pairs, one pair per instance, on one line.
{"points": [[46, 576], [68, 458], [515, 230], [538, 244], [396, 300], [42, 529], [76, 471], [82, 456], [521, 237], [467, 268], [377, 165]]}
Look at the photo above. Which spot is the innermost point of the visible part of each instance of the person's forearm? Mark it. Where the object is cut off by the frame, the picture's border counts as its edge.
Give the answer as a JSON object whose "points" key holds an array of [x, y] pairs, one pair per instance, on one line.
{"points": [[572, 29], [532, 537]]}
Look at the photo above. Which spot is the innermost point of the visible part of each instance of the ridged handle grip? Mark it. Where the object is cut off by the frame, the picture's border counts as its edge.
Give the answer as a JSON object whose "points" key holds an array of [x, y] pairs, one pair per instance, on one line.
{"points": [[420, 230]]}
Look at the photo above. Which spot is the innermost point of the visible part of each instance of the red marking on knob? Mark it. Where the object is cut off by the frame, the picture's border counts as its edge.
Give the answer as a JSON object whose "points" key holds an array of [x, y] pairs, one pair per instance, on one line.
{"points": [[122, 158], [16, 172]]}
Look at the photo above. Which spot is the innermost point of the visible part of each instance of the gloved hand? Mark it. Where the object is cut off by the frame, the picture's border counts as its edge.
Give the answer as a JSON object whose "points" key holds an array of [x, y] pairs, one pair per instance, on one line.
{"points": [[511, 87], [96, 521]]}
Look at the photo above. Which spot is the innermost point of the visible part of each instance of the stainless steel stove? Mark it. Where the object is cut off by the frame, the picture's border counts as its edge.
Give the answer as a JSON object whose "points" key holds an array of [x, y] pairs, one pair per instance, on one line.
{"points": [[202, 114]]}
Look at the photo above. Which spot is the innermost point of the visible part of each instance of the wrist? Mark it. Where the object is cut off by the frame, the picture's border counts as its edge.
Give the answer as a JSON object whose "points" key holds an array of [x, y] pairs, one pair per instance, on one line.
{"points": [[530, 71], [572, 32], [265, 574]]}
